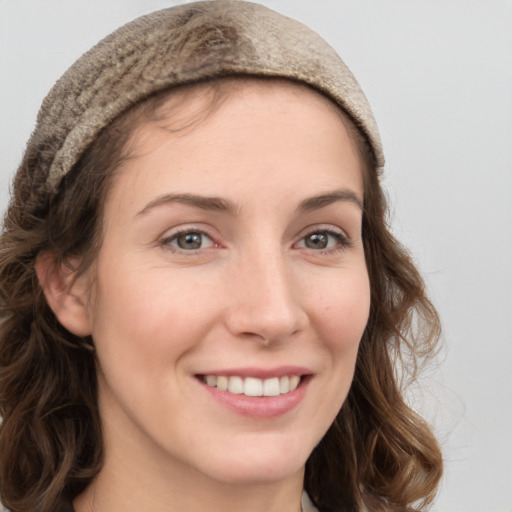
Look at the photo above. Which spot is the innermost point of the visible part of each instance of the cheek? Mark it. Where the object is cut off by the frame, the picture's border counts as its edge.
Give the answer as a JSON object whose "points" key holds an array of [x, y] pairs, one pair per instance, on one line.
{"points": [[342, 311], [142, 332], [146, 313], [341, 315]]}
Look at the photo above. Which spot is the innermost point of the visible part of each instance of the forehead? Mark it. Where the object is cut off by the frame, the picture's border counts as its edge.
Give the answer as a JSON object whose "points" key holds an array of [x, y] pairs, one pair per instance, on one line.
{"points": [[243, 130], [182, 108]]}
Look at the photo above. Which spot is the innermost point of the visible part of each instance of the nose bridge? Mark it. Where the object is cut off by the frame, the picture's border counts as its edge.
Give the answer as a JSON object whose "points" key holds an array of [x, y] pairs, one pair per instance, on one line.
{"points": [[266, 302]]}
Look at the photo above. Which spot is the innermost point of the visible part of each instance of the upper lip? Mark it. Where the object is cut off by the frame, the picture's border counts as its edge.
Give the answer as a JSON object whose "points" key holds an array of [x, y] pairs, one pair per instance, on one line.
{"points": [[260, 373]]}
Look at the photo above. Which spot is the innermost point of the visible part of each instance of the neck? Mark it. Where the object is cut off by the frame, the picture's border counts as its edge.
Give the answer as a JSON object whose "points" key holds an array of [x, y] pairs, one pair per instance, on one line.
{"points": [[122, 493]]}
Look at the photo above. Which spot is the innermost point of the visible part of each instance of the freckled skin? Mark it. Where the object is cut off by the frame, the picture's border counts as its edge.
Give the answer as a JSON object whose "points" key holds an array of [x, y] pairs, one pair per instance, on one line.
{"points": [[255, 293]]}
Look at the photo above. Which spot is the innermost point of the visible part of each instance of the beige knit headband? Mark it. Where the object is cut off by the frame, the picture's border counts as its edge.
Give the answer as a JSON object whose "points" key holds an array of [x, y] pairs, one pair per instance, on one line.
{"points": [[184, 44]]}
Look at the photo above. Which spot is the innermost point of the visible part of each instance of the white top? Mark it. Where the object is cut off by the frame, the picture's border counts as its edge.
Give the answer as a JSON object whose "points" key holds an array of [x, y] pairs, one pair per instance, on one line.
{"points": [[307, 506]]}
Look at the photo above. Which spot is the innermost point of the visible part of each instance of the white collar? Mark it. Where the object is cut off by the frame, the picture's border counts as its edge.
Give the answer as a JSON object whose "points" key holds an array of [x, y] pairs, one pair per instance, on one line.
{"points": [[307, 505]]}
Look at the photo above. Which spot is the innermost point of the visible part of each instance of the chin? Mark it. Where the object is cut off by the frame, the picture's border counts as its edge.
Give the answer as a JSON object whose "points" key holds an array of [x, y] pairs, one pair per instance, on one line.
{"points": [[259, 465]]}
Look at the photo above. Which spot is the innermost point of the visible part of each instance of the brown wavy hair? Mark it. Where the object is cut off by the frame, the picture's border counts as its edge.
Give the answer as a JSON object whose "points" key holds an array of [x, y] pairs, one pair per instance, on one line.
{"points": [[377, 455]]}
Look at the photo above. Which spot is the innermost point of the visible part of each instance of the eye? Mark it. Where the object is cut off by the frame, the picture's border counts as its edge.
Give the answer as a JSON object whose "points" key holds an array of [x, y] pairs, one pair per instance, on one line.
{"points": [[188, 240], [324, 239]]}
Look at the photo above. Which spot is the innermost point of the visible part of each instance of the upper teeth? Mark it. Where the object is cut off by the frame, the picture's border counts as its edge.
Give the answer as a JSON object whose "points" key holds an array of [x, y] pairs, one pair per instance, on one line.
{"points": [[252, 386]]}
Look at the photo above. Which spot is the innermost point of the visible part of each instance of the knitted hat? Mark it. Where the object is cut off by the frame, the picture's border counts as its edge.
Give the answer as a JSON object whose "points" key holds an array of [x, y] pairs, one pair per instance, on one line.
{"points": [[180, 45]]}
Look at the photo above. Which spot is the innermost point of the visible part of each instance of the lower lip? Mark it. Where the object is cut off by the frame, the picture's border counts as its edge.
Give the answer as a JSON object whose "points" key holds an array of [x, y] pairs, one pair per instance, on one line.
{"points": [[259, 406]]}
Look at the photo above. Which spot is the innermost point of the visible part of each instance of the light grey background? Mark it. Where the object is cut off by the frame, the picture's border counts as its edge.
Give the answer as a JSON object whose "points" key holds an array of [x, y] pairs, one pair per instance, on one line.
{"points": [[439, 77]]}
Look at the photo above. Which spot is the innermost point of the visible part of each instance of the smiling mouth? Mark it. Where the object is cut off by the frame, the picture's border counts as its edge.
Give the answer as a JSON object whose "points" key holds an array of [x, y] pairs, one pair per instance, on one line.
{"points": [[252, 386]]}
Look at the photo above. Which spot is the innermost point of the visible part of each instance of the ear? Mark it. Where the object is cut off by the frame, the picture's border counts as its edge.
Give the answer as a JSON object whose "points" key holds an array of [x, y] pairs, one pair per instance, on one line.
{"points": [[66, 294]]}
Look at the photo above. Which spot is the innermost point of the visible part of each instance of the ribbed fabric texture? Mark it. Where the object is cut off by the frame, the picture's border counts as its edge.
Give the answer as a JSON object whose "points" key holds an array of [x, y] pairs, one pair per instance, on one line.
{"points": [[180, 45]]}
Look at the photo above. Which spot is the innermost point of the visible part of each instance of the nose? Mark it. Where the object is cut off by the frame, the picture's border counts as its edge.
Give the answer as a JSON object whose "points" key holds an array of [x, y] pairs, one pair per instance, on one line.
{"points": [[266, 303]]}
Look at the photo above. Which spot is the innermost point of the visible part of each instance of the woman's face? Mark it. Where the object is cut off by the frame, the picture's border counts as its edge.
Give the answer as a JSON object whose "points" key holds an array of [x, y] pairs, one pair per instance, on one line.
{"points": [[232, 256]]}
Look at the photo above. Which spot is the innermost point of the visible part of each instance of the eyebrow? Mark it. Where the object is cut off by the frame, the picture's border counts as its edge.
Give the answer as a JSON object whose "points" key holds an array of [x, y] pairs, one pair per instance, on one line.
{"points": [[216, 204], [322, 200]]}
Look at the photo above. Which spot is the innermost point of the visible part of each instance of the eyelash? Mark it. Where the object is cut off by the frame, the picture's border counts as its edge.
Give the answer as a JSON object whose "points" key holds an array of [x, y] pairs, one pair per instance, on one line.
{"points": [[342, 242], [166, 241]]}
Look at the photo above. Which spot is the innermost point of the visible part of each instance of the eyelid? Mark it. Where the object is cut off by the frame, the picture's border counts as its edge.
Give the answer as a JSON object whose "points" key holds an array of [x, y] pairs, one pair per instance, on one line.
{"points": [[344, 240], [172, 234]]}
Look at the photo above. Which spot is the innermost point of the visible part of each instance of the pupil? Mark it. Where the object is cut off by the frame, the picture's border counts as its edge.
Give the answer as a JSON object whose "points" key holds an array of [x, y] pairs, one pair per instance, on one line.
{"points": [[317, 241], [189, 241]]}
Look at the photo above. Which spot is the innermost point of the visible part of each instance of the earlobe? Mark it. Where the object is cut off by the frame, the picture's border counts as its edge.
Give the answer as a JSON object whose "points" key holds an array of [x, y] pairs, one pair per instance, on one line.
{"points": [[66, 294]]}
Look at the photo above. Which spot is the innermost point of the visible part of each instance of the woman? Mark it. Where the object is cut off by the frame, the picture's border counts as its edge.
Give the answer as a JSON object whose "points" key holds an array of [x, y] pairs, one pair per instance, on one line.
{"points": [[202, 306]]}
